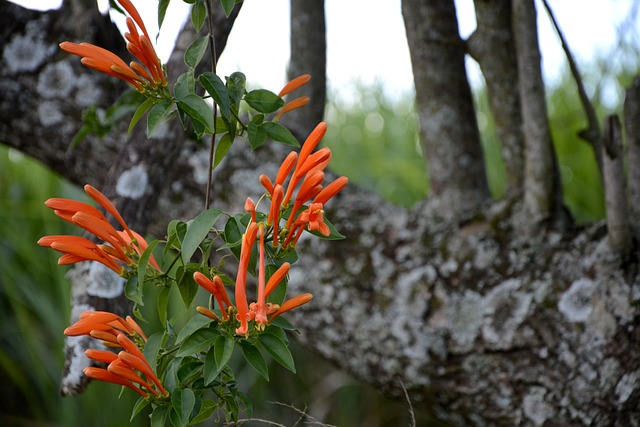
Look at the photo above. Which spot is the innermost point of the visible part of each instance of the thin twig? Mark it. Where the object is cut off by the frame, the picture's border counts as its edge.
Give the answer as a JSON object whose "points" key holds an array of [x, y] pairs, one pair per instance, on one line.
{"points": [[592, 133], [310, 420], [406, 396], [212, 49], [260, 420]]}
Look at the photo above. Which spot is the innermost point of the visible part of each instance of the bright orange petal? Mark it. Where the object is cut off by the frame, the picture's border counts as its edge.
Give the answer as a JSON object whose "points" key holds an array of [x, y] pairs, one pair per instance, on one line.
{"points": [[133, 12], [276, 278], [331, 190], [295, 84], [107, 205], [291, 304]]}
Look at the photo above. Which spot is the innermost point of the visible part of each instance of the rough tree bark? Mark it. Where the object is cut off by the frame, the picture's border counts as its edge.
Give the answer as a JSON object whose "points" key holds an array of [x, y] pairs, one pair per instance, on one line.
{"points": [[483, 324]]}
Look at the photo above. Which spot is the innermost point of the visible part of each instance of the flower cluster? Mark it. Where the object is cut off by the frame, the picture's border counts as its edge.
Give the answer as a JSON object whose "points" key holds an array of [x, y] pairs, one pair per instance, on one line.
{"points": [[305, 169], [120, 248], [128, 367], [146, 75]]}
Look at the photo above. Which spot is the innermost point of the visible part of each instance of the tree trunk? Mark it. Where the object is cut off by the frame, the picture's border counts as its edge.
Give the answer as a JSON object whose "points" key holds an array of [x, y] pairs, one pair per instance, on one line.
{"points": [[492, 46], [308, 56], [483, 324], [448, 125]]}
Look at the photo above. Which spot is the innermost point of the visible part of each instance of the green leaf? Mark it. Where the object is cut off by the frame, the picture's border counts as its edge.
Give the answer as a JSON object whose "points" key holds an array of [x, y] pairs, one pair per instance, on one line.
{"points": [[162, 303], [278, 350], [246, 401], [188, 402], [143, 262], [257, 135], [139, 406], [186, 284], [198, 341], [227, 5], [283, 323], [152, 347], [233, 235], [157, 115], [264, 100], [162, 11], [133, 290], [279, 133], [254, 358], [194, 324], [198, 110], [218, 91], [236, 83], [222, 148], [185, 85], [210, 371], [206, 410], [198, 15], [159, 416], [176, 403], [333, 233], [197, 230], [140, 112], [223, 348], [195, 52]]}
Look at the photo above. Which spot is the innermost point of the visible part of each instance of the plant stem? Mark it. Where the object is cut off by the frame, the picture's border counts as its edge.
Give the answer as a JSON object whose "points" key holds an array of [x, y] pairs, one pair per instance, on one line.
{"points": [[212, 49]]}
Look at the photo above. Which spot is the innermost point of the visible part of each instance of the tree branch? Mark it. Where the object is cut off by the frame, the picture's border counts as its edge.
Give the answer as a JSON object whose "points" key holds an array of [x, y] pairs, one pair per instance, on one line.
{"points": [[542, 189], [492, 46], [615, 189], [449, 130], [592, 134], [632, 137]]}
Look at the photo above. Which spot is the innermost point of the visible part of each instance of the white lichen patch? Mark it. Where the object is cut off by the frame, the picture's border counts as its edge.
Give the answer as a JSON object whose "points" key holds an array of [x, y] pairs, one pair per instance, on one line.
{"points": [[464, 317], [576, 304], [77, 362], [505, 308], [535, 407], [25, 53], [78, 309], [49, 113], [199, 162], [133, 182], [56, 80], [103, 282], [87, 92], [626, 386]]}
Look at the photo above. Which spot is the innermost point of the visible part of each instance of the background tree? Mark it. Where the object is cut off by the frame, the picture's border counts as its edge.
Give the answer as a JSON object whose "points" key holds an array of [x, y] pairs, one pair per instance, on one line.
{"points": [[488, 312]]}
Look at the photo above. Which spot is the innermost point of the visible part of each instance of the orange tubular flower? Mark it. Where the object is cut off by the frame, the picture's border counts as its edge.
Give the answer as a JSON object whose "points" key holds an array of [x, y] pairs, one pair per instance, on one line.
{"points": [[128, 365], [215, 288], [260, 309], [139, 45], [248, 240], [104, 375], [294, 84], [276, 278], [309, 145], [119, 247], [290, 304], [292, 105]]}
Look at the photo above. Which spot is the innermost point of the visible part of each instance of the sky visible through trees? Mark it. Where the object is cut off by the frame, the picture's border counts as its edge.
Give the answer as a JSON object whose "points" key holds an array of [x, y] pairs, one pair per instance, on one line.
{"points": [[370, 47]]}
